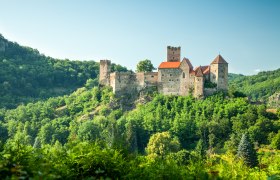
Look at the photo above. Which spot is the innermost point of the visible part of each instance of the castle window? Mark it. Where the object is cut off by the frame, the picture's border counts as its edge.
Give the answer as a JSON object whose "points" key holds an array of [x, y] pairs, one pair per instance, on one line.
{"points": [[184, 75], [177, 79], [162, 75], [152, 76], [169, 79], [170, 74]]}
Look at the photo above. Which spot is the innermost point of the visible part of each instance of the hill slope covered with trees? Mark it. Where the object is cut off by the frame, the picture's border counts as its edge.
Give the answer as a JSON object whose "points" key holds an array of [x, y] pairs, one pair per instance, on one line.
{"points": [[257, 87], [26, 75], [89, 134]]}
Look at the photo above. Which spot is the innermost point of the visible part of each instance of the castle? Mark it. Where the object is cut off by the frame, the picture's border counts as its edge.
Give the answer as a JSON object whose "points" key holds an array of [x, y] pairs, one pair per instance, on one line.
{"points": [[174, 77]]}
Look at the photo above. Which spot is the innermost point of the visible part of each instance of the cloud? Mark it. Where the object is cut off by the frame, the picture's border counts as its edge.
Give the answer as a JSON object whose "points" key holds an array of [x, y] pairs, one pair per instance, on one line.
{"points": [[257, 70]]}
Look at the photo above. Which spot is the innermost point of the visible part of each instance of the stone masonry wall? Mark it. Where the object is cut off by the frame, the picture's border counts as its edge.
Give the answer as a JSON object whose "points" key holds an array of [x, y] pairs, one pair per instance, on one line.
{"points": [[169, 83]]}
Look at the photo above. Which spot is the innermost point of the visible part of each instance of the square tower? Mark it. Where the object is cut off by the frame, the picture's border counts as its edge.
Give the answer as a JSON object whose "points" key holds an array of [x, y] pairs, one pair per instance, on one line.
{"points": [[173, 54]]}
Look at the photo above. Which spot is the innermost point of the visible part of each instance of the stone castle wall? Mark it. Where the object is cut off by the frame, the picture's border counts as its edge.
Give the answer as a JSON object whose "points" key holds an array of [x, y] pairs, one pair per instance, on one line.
{"points": [[170, 79], [173, 54], [169, 82]]}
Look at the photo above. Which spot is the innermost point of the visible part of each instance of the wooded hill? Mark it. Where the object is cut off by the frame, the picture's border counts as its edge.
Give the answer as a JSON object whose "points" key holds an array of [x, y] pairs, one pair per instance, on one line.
{"points": [[257, 87], [28, 76]]}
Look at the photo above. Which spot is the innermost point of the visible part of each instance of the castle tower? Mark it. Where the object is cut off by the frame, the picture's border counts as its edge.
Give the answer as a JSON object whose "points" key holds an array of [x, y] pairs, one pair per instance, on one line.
{"points": [[219, 73], [173, 54], [105, 70], [198, 83]]}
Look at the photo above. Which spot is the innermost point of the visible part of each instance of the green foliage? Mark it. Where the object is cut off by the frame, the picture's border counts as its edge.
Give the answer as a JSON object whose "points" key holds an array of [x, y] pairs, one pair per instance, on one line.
{"points": [[28, 76], [247, 152], [161, 144], [145, 66], [257, 87], [88, 134], [275, 142], [209, 84]]}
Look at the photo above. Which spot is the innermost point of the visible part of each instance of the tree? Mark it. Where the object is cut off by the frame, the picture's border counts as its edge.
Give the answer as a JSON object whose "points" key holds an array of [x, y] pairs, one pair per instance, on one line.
{"points": [[145, 66], [161, 144], [247, 152], [275, 143]]}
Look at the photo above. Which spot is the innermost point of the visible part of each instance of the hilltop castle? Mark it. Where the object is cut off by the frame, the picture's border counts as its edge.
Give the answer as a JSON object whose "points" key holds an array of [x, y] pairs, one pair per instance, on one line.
{"points": [[174, 77]]}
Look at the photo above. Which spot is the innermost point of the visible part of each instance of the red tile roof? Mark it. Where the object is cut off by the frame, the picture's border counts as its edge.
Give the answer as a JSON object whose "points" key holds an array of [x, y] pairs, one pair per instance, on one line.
{"points": [[198, 71], [205, 69], [219, 60], [168, 65]]}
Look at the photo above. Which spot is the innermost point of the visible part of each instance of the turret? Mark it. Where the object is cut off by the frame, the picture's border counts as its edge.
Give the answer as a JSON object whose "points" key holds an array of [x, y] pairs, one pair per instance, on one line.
{"points": [[173, 54], [105, 70], [219, 73]]}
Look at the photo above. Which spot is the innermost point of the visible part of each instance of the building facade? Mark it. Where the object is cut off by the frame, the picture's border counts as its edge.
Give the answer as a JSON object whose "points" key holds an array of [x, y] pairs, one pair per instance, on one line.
{"points": [[174, 77]]}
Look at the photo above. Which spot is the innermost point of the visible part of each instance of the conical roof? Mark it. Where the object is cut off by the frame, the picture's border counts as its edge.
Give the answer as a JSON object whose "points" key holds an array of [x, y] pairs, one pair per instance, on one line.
{"points": [[219, 60]]}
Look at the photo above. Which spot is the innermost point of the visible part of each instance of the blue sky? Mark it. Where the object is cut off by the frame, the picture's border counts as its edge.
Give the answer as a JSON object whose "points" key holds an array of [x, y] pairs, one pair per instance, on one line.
{"points": [[245, 33]]}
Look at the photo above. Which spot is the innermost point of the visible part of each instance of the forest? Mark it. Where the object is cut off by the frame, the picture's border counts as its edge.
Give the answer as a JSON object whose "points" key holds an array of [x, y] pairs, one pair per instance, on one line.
{"points": [[56, 122], [89, 134], [28, 76], [257, 87]]}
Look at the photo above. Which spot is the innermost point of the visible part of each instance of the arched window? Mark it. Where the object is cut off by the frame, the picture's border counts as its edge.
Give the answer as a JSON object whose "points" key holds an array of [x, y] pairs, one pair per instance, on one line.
{"points": [[184, 75]]}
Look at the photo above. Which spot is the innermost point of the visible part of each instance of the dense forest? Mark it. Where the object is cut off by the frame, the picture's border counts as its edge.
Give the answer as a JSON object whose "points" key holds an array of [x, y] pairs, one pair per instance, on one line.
{"points": [[89, 134], [257, 87], [57, 123], [28, 76]]}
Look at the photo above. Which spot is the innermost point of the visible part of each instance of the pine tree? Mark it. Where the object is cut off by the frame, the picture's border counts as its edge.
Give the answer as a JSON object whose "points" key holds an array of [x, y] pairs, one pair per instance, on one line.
{"points": [[247, 152]]}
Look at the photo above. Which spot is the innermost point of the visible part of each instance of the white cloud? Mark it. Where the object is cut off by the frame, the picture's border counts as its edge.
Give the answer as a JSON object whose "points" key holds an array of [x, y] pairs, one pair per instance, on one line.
{"points": [[257, 70]]}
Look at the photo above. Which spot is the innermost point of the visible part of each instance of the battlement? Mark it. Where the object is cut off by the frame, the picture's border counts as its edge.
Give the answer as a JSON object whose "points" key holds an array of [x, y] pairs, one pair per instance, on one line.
{"points": [[173, 54], [181, 79]]}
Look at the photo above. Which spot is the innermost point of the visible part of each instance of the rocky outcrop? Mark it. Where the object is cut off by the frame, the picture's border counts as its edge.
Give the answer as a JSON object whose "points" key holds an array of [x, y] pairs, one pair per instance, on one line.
{"points": [[274, 100]]}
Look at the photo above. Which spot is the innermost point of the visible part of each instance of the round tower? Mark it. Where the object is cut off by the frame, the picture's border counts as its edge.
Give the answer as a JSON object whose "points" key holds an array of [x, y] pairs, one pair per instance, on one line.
{"points": [[104, 72], [219, 73]]}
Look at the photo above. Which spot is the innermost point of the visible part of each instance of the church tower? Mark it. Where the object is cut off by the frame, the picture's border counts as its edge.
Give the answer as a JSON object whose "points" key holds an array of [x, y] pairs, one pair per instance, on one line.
{"points": [[219, 73], [173, 54], [105, 70]]}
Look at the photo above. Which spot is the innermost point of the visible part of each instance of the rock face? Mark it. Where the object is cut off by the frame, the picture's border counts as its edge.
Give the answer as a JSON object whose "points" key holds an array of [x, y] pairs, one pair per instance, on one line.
{"points": [[274, 100], [174, 77]]}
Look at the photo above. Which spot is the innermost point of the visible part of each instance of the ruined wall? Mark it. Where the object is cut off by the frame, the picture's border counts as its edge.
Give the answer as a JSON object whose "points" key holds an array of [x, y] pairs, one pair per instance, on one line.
{"points": [[169, 83], [173, 54], [105, 69], [123, 83]]}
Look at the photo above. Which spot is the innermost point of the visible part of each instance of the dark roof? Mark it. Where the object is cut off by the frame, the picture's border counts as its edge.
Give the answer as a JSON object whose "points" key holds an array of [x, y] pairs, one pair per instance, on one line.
{"points": [[198, 71], [219, 60]]}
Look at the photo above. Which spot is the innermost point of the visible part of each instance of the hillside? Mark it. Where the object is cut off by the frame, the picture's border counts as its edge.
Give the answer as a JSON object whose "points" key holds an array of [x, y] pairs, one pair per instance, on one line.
{"points": [[169, 137], [28, 76], [258, 87]]}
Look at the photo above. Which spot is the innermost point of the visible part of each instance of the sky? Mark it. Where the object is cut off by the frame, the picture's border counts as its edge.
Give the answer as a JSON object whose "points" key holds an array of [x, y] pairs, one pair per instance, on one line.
{"points": [[245, 33]]}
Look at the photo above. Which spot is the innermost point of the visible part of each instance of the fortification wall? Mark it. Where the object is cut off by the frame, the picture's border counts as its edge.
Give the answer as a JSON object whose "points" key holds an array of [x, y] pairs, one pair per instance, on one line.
{"points": [[105, 69], [173, 54], [123, 83], [169, 83], [198, 87]]}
